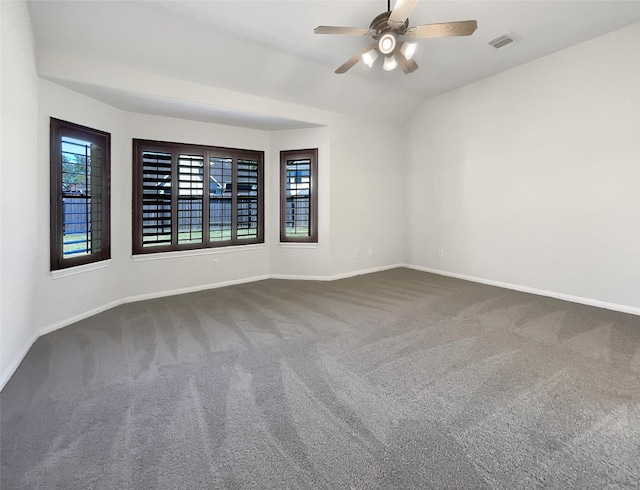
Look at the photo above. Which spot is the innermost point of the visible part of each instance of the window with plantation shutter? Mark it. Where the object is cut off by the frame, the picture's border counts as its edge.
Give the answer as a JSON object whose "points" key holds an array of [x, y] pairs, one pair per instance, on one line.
{"points": [[247, 199], [220, 201], [298, 196], [156, 198], [80, 197], [191, 196]]}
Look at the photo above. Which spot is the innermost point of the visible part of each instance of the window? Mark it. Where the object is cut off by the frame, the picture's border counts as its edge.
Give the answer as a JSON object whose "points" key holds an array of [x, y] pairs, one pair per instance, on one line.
{"points": [[299, 196], [191, 196], [80, 226]]}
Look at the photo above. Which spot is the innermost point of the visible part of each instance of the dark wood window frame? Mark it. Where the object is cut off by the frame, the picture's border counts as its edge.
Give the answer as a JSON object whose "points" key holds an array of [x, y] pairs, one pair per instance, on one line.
{"points": [[311, 204], [95, 198], [234, 192]]}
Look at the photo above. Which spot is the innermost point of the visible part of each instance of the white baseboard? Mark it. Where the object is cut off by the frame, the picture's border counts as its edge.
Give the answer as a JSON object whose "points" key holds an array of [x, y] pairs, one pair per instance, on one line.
{"points": [[193, 289], [160, 294], [365, 271], [525, 289], [6, 376], [174, 292], [141, 297], [76, 318], [335, 277]]}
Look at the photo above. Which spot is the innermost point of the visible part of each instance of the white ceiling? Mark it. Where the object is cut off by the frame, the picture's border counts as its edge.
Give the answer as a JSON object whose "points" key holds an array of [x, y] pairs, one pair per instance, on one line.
{"points": [[267, 48], [144, 103]]}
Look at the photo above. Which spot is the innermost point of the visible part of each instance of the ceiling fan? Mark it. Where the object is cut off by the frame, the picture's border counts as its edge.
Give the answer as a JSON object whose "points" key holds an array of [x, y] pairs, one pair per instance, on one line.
{"points": [[390, 30]]}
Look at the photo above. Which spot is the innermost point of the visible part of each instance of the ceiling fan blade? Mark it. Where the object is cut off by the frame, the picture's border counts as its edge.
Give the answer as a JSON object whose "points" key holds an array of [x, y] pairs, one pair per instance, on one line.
{"points": [[354, 59], [408, 66], [462, 28], [401, 11], [351, 31]]}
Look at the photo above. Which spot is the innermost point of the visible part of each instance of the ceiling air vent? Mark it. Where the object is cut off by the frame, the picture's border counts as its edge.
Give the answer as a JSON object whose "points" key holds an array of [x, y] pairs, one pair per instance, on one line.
{"points": [[505, 40]]}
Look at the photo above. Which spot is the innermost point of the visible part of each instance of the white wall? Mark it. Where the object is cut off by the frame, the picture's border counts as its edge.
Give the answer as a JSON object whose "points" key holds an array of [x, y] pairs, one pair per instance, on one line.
{"points": [[532, 177], [366, 195], [294, 260], [234, 263], [358, 175], [359, 202], [18, 205], [74, 296], [66, 297]]}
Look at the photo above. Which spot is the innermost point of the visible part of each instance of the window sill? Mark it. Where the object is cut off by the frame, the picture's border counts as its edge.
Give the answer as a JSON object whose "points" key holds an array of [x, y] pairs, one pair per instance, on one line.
{"points": [[298, 245], [79, 269], [194, 253]]}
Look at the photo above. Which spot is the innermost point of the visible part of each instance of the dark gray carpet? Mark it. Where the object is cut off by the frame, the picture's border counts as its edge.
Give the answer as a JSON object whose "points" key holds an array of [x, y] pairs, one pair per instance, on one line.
{"points": [[399, 379]]}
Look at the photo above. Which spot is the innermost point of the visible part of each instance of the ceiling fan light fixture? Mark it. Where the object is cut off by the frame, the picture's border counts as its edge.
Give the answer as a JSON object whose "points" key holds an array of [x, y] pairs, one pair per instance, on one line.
{"points": [[408, 49], [387, 43], [389, 31], [370, 57], [390, 63]]}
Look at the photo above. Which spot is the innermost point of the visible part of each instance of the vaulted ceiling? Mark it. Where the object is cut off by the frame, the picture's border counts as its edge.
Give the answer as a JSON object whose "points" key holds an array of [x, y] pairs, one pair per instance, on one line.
{"points": [[267, 48]]}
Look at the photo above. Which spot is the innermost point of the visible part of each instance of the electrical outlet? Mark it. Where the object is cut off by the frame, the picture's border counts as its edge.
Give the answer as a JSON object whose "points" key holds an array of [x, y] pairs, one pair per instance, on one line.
{"points": [[370, 252], [215, 263], [440, 252], [356, 254]]}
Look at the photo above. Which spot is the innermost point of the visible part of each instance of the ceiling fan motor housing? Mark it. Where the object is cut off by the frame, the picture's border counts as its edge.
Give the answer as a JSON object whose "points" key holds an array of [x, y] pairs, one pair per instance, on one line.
{"points": [[380, 25]]}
